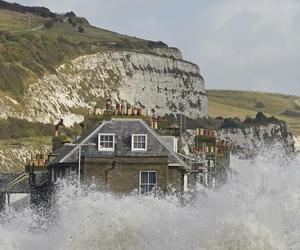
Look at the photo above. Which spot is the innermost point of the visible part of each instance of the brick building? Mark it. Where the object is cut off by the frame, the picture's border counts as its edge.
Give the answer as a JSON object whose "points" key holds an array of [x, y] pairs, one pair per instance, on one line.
{"points": [[122, 155]]}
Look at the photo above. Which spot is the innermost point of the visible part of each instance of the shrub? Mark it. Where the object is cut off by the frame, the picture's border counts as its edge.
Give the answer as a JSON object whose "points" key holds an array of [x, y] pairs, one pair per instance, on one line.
{"points": [[80, 29], [71, 21], [40, 11], [260, 105], [260, 118], [152, 44], [70, 14], [229, 123], [48, 25], [14, 128]]}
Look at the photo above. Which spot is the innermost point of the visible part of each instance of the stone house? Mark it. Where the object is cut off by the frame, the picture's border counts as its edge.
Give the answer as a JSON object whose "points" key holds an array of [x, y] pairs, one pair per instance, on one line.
{"points": [[122, 155]]}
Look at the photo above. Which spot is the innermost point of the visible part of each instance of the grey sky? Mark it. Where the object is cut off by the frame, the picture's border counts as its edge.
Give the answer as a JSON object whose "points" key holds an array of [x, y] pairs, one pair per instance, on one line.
{"points": [[238, 44]]}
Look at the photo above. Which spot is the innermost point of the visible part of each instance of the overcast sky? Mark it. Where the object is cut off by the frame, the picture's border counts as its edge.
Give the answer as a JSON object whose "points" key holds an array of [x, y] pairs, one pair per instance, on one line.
{"points": [[238, 44]]}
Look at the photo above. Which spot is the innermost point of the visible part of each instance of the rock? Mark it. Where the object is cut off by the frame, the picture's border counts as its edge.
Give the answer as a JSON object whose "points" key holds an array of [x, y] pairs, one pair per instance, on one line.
{"points": [[164, 83], [13, 157], [254, 138]]}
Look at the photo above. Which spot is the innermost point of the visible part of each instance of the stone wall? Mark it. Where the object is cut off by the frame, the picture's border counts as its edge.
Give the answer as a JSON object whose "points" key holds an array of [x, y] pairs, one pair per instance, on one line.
{"points": [[124, 178]]}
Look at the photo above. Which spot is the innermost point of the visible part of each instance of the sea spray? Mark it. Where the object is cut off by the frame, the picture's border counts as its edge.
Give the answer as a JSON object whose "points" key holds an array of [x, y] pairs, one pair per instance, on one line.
{"points": [[257, 209]]}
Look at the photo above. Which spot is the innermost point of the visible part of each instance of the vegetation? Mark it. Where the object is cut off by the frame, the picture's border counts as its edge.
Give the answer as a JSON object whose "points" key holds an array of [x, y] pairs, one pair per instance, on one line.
{"points": [[34, 41], [242, 104], [203, 138], [80, 29], [40, 11], [13, 128], [260, 119], [27, 141]]}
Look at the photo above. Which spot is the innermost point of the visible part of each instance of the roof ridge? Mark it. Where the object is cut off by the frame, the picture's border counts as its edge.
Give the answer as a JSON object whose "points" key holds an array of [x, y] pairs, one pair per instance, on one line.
{"points": [[153, 132], [158, 137], [84, 140]]}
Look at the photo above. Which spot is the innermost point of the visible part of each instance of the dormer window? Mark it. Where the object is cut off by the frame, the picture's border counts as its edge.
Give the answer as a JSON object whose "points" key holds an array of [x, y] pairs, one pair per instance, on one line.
{"points": [[106, 142], [139, 142]]}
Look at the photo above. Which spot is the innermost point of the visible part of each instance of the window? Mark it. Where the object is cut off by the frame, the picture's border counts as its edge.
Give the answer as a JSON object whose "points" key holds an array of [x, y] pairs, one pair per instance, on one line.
{"points": [[73, 169], [148, 180], [139, 142], [106, 142], [52, 175]]}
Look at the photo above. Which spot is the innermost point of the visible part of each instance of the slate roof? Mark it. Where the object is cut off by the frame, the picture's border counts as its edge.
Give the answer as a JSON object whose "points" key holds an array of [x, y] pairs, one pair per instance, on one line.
{"points": [[5, 179], [123, 128], [14, 183]]}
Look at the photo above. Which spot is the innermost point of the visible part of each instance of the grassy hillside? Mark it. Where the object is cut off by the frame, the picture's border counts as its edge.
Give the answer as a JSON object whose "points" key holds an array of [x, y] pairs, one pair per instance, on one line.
{"points": [[34, 41], [229, 103], [32, 44]]}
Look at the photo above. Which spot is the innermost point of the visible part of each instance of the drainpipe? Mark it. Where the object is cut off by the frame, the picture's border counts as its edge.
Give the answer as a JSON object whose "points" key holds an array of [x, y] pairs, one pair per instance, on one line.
{"points": [[185, 182], [113, 166], [7, 195]]}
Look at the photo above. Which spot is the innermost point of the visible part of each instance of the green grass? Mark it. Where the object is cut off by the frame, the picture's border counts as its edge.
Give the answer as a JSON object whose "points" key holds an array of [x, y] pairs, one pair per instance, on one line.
{"points": [[13, 128], [19, 129], [15, 21], [228, 103], [26, 55], [28, 141]]}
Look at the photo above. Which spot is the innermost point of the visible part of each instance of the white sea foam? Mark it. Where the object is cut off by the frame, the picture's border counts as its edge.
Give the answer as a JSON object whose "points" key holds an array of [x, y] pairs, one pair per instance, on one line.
{"points": [[258, 209]]}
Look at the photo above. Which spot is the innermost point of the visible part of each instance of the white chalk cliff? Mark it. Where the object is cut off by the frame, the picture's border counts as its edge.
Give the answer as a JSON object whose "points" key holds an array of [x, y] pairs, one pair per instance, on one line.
{"points": [[162, 81]]}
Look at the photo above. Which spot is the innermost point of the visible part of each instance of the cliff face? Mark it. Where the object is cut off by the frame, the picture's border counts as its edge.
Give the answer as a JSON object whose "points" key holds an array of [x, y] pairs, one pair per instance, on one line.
{"points": [[253, 139], [13, 156], [161, 81], [59, 66], [297, 143]]}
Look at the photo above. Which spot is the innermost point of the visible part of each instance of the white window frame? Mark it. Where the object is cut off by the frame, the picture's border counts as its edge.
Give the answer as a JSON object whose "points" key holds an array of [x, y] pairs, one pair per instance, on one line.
{"points": [[72, 172], [140, 182], [139, 149], [106, 149], [52, 174]]}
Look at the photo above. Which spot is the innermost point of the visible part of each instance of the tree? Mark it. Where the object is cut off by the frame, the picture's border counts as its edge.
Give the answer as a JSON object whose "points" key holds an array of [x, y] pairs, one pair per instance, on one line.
{"points": [[229, 123], [260, 117]]}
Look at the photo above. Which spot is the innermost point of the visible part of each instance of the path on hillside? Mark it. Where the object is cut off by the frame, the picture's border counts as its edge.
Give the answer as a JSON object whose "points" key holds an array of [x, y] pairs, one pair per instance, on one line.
{"points": [[42, 26]]}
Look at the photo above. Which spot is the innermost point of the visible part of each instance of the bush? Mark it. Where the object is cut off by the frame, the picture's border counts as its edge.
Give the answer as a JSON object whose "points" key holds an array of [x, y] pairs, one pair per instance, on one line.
{"points": [[71, 21], [8, 36], [40, 11], [230, 123], [152, 44], [260, 105], [207, 139], [260, 118], [48, 25], [80, 29], [70, 14], [14, 128]]}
